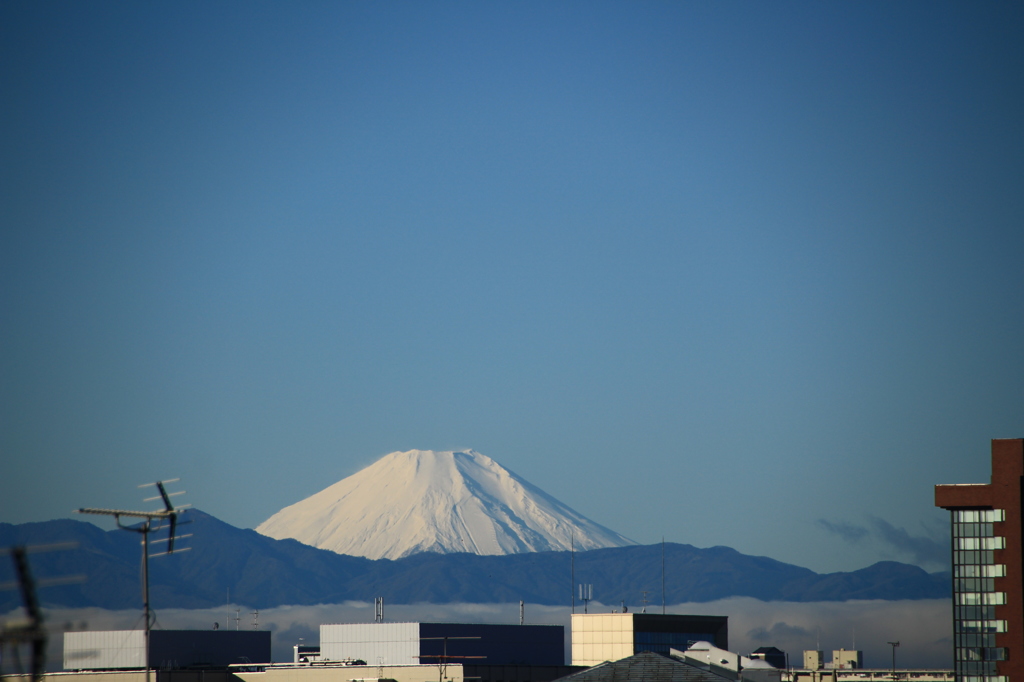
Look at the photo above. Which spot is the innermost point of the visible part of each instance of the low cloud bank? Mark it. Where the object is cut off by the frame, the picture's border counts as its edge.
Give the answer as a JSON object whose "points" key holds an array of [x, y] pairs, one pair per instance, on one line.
{"points": [[923, 627]]}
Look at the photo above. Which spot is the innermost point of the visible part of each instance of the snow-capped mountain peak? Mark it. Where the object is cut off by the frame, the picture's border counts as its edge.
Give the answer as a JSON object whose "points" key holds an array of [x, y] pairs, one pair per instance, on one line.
{"points": [[427, 501]]}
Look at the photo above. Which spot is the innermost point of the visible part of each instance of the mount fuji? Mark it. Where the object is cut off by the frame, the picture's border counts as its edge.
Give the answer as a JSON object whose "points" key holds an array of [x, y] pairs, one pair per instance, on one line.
{"points": [[444, 502]]}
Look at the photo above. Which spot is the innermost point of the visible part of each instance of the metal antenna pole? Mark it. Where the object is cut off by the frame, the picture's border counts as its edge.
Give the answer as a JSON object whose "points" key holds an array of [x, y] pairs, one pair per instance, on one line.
{"points": [[572, 569], [894, 645], [145, 588], [170, 514], [663, 575], [33, 632]]}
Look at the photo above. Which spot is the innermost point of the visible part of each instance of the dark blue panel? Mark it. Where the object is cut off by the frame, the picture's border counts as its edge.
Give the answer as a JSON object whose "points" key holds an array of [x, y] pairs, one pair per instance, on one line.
{"points": [[497, 644]]}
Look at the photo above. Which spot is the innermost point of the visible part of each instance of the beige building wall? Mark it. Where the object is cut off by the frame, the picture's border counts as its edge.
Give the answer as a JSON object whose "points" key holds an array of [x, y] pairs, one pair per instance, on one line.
{"points": [[130, 676], [317, 673], [814, 660], [847, 659], [357, 673], [600, 637]]}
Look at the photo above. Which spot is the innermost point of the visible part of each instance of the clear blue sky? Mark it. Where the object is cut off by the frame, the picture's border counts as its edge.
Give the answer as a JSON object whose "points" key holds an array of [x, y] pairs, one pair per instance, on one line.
{"points": [[728, 273]]}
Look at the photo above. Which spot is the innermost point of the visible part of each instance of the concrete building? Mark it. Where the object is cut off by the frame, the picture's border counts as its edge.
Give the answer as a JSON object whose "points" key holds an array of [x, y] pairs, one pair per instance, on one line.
{"points": [[845, 659], [867, 675], [600, 637], [168, 649], [814, 660], [436, 643], [988, 577]]}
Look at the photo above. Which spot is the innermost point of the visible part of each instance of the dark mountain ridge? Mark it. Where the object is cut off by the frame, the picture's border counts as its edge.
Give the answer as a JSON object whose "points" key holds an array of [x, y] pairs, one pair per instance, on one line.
{"points": [[261, 572]]}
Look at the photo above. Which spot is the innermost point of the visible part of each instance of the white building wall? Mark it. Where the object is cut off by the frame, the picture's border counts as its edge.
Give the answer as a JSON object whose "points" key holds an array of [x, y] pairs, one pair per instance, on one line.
{"points": [[375, 643], [101, 649]]}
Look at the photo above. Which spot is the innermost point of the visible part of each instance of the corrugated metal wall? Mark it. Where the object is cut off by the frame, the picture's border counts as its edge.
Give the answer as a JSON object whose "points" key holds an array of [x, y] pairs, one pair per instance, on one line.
{"points": [[101, 649], [375, 643]]}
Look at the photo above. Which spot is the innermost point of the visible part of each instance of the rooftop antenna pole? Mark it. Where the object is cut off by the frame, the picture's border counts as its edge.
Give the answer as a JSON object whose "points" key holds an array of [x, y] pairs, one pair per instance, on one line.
{"points": [[33, 632], [522, 611], [893, 645], [168, 514], [663, 575], [572, 569]]}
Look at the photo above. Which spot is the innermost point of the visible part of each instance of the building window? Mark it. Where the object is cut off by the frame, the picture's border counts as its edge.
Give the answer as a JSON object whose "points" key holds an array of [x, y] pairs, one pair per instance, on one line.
{"points": [[661, 642], [979, 598], [993, 571], [979, 515], [975, 627], [975, 541], [981, 543]]}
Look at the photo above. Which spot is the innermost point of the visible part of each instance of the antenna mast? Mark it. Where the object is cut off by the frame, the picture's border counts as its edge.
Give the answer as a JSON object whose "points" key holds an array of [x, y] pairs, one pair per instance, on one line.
{"points": [[153, 521], [586, 594], [572, 569], [663, 575]]}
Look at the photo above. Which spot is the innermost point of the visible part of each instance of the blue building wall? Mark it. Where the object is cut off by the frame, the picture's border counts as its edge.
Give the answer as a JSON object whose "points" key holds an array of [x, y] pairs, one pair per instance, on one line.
{"points": [[207, 648], [497, 644]]}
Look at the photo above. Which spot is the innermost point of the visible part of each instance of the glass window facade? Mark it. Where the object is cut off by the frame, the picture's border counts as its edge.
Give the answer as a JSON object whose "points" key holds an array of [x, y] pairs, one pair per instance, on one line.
{"points": [[974, 595], [661, 642]]}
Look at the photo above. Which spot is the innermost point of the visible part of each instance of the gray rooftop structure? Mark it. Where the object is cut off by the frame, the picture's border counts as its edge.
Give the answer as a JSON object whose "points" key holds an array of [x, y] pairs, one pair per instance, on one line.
{"points": [[645, 666]]}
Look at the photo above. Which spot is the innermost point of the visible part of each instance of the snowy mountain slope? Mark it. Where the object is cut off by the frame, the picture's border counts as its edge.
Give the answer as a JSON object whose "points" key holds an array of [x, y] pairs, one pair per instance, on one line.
{"points": [[426, 501]]}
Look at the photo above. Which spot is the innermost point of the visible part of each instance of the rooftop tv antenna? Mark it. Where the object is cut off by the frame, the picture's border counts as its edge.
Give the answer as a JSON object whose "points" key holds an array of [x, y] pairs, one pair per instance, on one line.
{"points": [[572, 569], [378, 609], [152, 522], [444, 658], [32, 632]]}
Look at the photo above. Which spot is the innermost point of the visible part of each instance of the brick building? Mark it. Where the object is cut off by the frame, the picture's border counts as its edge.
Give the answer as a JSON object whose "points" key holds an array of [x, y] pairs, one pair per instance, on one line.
{"points": [[988, 576]]}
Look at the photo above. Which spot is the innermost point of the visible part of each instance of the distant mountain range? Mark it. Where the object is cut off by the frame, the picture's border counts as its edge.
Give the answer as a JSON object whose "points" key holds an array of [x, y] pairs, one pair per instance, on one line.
{"points": [[444, 502], [261, 572]]}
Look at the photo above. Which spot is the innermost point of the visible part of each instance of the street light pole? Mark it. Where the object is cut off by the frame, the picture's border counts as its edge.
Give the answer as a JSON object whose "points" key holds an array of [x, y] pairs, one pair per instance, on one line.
{"points": [[894, 645]]}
